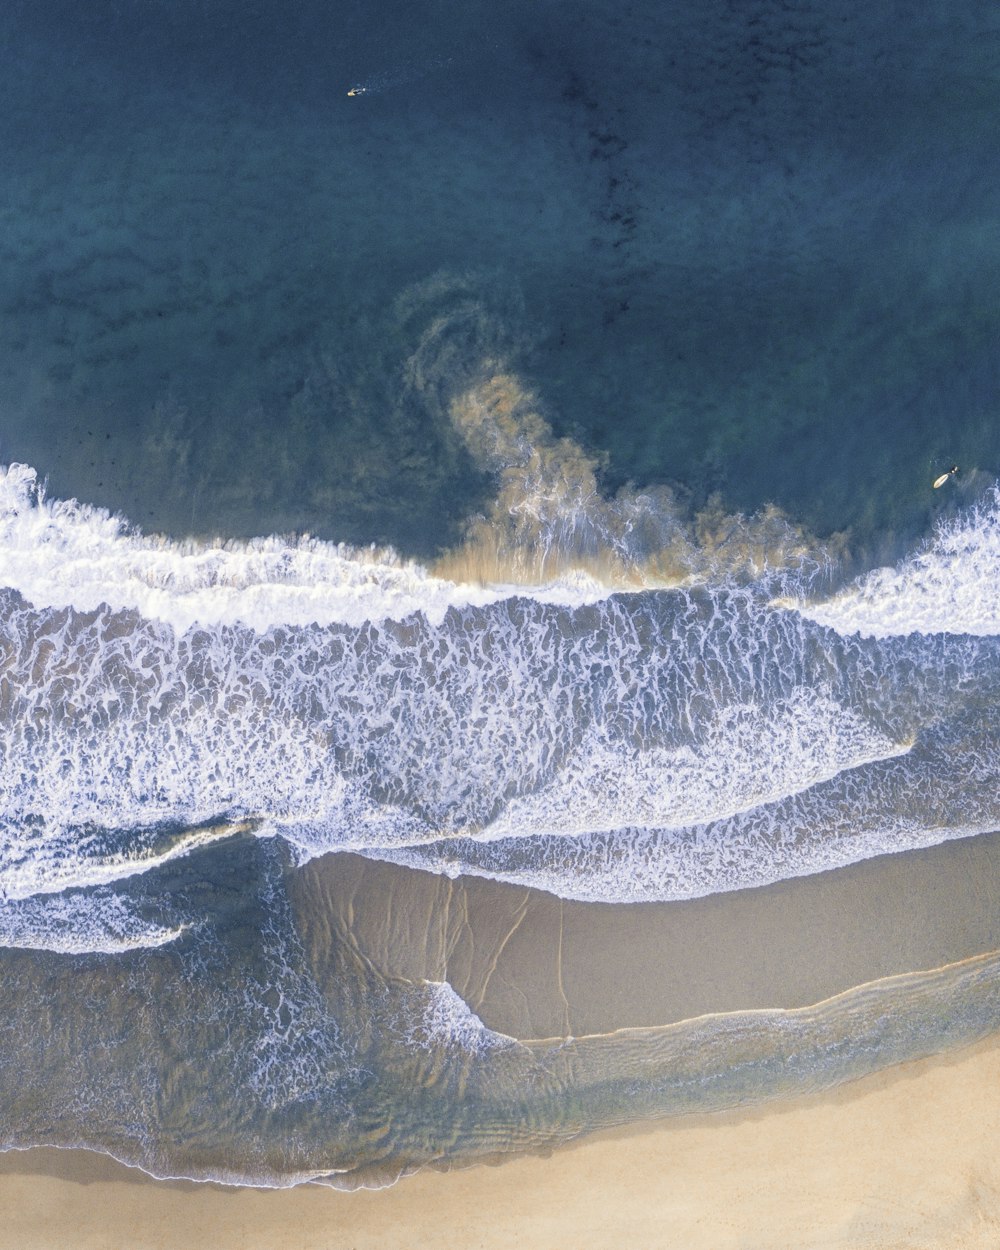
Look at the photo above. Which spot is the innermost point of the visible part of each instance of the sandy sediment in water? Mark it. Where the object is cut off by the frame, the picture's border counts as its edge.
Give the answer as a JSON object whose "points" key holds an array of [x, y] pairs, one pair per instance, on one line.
{"points": [[902, 1160], [535, 966]]}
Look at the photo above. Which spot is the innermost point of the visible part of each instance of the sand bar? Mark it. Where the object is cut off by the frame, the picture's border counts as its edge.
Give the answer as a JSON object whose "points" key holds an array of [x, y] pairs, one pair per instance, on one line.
{"points": [[532, 965]]}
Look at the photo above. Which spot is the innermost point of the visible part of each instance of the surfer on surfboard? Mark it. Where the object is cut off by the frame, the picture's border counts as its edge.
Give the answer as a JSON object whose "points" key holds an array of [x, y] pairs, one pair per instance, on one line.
{"points": [[940, 481]]}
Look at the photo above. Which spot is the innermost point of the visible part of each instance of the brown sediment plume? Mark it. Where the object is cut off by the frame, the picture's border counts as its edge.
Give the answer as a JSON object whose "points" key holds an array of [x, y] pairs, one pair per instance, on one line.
{"points": [[549, 517]]}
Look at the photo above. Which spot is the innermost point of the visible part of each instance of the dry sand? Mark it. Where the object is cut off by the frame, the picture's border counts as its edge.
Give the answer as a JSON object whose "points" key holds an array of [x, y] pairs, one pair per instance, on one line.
{"points": [[903, 1160]]}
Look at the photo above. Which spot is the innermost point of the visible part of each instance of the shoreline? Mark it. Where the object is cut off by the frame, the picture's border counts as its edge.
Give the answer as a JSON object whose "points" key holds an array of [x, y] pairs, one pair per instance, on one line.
{"points": [[903, 1158]]}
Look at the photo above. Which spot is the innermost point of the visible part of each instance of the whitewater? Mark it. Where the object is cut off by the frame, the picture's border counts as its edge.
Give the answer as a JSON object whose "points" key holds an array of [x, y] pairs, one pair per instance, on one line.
{"points": [[610, 738]]}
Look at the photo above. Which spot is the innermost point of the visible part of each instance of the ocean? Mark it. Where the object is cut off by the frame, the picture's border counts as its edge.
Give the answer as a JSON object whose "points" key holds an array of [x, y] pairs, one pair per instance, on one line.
{"points": [[460, 460]]}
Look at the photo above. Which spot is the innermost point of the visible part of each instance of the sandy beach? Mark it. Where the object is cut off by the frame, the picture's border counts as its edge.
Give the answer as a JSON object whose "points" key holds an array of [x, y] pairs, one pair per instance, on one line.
{"points": [[903, 1160]]}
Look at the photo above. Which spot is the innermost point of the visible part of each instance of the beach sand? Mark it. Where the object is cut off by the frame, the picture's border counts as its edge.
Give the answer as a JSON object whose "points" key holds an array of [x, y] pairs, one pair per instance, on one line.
{"points": [[903, 1160], [535, 966]]}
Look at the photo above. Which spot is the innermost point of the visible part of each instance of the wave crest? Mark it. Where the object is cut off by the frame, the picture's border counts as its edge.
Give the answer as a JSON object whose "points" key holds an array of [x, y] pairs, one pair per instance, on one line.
{"points": [[948, 587]]}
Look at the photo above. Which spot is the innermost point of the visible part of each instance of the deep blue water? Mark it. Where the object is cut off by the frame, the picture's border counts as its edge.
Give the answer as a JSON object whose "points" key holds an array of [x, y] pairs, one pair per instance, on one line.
{"points": [[745, 249]]}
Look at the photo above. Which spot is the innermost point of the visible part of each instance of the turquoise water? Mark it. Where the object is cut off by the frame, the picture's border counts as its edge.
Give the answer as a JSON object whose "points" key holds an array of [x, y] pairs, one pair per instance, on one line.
{"points": [[644, 331]]}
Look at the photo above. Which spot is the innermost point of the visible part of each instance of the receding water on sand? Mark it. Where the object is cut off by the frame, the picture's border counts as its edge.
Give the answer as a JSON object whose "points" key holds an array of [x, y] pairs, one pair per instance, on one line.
{"points": [[243, 1054]]}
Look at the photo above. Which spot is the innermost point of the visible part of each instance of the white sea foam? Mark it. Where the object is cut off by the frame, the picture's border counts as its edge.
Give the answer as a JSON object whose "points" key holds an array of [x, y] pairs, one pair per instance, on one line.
{"points": [[343, 738], [749, 755], [653, 866], [125, 745], [67, 554], [952, 586], [79, 922], [662, 866], [441, 1017], [917, 799], [420, 713]]}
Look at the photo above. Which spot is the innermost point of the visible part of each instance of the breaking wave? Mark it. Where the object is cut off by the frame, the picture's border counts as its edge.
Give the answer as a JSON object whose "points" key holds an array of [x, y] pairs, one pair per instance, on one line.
{"points": [[948, 587], [598, 696], [78, 922]]}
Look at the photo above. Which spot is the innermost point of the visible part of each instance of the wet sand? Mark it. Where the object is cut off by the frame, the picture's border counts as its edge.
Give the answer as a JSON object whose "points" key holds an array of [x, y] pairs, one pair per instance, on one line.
{"points": [[902, 1160], [533, 966]]}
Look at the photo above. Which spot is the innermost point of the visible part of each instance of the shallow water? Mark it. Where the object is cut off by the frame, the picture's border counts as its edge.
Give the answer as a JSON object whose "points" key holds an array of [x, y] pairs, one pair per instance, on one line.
{"points": [[483, 471]]}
